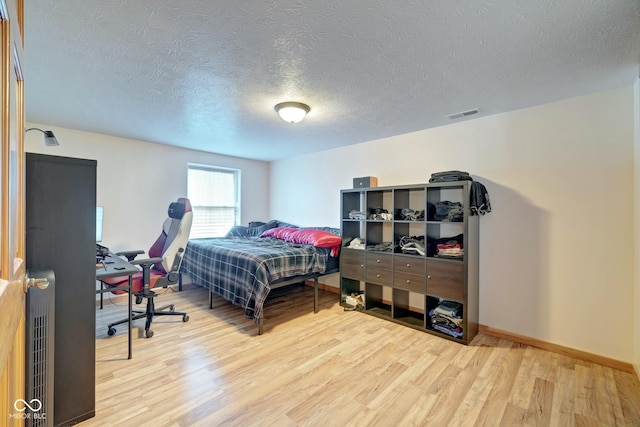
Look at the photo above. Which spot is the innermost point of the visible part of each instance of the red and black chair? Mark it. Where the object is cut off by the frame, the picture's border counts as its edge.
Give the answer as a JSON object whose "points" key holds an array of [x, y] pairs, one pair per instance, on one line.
{"points": [[161, 269]]}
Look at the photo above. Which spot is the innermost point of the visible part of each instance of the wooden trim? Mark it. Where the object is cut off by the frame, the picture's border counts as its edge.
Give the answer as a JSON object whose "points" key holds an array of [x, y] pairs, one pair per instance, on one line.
{"points": [[323, 287], [110, 298], [555, 348], [20, 11], [6, 270], [21, 217]]}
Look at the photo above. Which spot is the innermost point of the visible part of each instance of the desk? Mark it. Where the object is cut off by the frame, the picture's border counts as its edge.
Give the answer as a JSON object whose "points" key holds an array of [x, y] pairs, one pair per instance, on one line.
{"points": [[114, 266]]}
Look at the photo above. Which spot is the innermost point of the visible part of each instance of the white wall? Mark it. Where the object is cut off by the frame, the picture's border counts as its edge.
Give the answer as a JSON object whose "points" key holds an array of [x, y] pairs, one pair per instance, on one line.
{"points": [[556, 253], [137, 180]]}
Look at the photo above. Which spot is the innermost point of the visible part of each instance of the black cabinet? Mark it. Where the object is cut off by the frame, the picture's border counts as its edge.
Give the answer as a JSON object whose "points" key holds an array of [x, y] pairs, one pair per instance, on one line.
{"points": [[60, 235]]}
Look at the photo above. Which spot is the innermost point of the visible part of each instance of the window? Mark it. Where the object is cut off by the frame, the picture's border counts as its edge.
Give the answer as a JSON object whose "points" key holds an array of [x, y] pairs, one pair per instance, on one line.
{"points": [[214, 193]]}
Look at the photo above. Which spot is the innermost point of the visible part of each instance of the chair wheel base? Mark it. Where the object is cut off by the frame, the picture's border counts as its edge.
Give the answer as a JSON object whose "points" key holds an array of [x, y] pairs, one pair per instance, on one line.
{"points": [[185, 318], [111, 331], [149, 333]]}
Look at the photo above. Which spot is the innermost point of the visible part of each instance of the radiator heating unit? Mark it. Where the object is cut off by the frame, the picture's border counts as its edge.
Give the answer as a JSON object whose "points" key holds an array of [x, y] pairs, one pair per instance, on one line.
{"points": [[39, 352]]}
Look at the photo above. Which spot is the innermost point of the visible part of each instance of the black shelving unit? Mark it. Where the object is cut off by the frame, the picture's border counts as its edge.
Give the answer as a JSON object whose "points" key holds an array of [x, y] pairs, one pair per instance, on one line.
{"points": [[404, 285]]}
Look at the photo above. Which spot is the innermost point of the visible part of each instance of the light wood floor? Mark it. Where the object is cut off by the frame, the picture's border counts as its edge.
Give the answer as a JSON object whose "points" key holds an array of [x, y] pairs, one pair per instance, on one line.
{"points": [[338, 368]]}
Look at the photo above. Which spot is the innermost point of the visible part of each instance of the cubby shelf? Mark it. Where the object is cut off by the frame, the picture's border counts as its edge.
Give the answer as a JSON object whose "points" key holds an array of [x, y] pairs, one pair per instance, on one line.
{"points": [[413, 251]]}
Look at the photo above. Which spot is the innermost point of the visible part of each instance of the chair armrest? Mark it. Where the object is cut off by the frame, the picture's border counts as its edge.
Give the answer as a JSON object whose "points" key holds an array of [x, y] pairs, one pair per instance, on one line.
{"points": [[146, 270], [130, 255], [146, 262]]}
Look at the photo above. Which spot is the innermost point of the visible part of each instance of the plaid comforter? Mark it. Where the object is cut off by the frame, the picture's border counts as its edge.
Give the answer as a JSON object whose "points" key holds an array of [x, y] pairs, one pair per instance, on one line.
{"points": [[241, 269]]}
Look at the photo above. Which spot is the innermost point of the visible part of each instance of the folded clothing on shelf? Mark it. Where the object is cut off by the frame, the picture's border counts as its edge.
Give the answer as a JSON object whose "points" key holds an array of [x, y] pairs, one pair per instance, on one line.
{"points": [[446, 317], [446, 247], [447, 176]]}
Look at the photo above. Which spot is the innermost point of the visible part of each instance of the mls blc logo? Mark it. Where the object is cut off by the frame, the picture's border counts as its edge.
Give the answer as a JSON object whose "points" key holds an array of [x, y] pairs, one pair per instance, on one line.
{"points": [[34, 406]]}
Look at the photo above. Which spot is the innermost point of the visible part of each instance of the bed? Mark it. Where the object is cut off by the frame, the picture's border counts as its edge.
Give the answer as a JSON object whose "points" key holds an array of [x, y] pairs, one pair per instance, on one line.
{"points": [[249, 261]]}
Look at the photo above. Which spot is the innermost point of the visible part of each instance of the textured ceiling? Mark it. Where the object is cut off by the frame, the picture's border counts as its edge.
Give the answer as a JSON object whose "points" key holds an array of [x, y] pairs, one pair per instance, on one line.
{"points": [[206, 74]]}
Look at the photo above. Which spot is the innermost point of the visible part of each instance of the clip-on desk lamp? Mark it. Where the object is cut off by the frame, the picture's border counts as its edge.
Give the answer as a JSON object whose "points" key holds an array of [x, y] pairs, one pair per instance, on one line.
{"points": [[49, 138]]}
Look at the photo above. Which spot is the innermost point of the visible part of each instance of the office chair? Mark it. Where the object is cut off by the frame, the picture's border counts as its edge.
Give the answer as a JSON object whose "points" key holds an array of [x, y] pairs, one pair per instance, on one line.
{"points": [[160, 269]]}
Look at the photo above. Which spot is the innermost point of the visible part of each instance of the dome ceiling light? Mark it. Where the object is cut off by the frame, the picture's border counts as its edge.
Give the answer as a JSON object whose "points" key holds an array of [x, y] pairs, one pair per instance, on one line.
{"points": [[292, 112]]}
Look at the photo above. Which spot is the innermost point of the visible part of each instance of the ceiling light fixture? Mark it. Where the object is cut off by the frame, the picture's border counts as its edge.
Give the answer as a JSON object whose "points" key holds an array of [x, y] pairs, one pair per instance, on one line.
{"points": [[49, 138], [292, 112]]}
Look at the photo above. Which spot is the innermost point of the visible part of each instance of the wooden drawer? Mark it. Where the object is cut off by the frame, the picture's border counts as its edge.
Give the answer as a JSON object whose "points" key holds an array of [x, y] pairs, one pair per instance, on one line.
{"points": [[409, 265], [379, 276], [410, 282], [352, 262], [445, 279], [379, 260]]}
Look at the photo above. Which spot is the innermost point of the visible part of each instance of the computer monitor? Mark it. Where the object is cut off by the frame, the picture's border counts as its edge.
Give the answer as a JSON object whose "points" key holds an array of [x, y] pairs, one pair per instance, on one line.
{"points": [[99, 218]]}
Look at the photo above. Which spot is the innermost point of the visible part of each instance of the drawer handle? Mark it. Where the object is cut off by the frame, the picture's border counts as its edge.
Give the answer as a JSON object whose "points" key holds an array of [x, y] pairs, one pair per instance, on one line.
{"points": [[408, 281], [378, 276], [377, 260], [361, 265], [408, 265], [428, 277]]}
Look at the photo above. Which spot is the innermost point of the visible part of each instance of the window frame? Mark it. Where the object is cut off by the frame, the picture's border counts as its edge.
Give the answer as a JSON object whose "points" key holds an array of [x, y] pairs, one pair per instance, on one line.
{"points": [[236, 173]]}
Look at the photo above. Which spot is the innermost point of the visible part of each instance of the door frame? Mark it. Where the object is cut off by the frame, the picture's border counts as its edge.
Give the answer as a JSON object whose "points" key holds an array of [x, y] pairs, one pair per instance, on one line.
{"points": [[12, 217]]}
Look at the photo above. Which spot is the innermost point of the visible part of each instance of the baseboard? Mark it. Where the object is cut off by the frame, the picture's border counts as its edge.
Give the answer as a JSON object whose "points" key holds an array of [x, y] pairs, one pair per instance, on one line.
{"points": [[122, 298], [567, 351], [323, 287], [112, 298]]}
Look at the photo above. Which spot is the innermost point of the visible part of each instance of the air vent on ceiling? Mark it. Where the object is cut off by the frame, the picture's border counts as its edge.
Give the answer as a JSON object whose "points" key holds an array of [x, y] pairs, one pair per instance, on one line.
{"points": [[463, 114]]}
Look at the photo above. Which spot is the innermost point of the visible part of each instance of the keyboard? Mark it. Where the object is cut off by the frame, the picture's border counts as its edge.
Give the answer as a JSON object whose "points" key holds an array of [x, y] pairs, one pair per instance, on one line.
{"points": [[101, 252]]}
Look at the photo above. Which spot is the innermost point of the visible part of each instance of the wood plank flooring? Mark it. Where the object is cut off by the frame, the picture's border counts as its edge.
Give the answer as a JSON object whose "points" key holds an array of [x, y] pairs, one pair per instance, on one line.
{"points": [[337, 368]]}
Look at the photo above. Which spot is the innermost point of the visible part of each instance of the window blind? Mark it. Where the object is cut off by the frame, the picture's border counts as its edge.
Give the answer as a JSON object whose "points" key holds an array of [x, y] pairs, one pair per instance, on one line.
{"points": [[214, 195]]}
